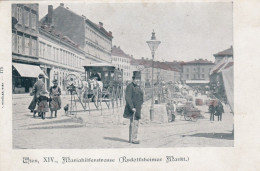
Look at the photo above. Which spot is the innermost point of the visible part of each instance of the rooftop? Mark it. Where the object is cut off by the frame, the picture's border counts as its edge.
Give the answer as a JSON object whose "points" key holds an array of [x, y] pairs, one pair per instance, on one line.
{"points": [[227, 52], [100, 28], [198, 61], [58, 35], [223, 64], [157, 64], [117, 51]]}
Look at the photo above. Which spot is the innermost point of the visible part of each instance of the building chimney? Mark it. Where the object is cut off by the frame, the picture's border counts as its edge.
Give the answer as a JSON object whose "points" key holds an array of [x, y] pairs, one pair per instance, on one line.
{"points": [[50, 14], [100, 24], [62, 4], [84, 16]]}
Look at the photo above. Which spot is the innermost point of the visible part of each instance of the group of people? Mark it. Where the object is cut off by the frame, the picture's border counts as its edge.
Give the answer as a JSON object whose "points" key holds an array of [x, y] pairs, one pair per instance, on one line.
{"points": [[216, 110], [43, 101]]}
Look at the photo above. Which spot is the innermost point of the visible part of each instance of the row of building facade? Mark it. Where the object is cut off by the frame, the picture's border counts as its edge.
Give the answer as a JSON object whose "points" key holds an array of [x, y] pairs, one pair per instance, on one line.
{"points": [[62, 42], [58, 44]]}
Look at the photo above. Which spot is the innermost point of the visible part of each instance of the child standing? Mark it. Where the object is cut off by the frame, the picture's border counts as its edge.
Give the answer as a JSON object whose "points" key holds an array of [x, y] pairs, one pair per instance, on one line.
{"points": [[43, 106], [55, 93]]}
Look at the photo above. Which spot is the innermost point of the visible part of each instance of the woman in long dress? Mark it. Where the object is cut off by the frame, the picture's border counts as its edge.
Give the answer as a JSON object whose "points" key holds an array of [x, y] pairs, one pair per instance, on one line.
{"points": [[43, 106], [55, 93]]}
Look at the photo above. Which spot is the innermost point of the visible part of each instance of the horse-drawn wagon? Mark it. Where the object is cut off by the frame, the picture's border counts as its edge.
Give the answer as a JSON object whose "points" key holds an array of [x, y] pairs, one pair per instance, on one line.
{"points": [[103, 83]]}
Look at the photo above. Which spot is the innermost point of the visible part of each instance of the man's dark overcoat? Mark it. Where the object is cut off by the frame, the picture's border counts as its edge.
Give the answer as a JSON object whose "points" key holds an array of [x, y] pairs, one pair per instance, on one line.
{"points": [[134, 97], [38, 87]]}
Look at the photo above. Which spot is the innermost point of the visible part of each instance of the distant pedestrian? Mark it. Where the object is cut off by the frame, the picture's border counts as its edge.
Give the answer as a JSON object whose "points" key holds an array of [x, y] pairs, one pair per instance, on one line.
{"points": [[171, 109], [38, 87], [55, 93], [212, 111], [43, 105], [219, 111], [134, 100], [174, 110]]}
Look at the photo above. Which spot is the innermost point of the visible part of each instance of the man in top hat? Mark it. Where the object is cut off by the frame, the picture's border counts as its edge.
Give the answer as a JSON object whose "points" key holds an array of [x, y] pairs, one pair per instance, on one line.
{"points": [[38, 87], [134, 100]]}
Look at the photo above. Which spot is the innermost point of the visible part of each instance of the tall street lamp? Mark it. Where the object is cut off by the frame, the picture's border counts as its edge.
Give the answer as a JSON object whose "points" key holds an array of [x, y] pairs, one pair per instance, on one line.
{"points": [[153, 45]]}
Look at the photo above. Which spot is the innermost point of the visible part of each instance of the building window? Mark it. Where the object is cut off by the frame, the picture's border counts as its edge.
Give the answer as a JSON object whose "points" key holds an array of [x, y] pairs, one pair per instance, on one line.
{"points": [[60, 57], [19, 15], [48, 52], [33, 20], [202, 69], [44, 51], [53, 53], [202, 76], [14, 42], [40, 49], [26, 18], [27, 44], [187, 70], [194, 76], [19, 44], [34, 50], [187, 76], [57, 55]]}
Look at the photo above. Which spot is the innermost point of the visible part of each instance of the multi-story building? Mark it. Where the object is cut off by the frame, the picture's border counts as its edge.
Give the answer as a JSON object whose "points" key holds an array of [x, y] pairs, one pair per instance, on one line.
{"points": [[98, 41], [196, 71], [59, 56], [162, 71], [122, 61], [223, 61], [25, 19], [228, 53], [91, 37]]}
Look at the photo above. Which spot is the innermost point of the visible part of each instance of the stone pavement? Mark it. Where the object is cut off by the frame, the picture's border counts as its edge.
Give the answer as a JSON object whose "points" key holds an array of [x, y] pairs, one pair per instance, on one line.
{"points": [[110, 130]]}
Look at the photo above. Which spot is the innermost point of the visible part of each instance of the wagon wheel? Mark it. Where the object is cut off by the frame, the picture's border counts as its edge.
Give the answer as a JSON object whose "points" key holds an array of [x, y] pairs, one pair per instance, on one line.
{"points": [[187, 118], [195, 118]]}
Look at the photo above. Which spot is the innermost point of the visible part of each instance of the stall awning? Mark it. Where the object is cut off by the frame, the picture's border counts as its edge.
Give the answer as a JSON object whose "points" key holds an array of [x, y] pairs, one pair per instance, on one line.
{"points": [[197, 81], [26, 70], [228, 78]]}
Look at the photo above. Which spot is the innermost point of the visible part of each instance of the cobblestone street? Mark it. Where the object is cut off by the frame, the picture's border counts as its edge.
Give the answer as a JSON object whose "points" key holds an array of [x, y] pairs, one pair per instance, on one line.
{"points": [[109, 130]]}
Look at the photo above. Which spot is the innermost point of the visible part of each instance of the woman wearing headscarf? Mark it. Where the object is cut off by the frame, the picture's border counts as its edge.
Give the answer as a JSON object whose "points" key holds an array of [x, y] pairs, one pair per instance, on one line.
{"points": [[55, 93]]}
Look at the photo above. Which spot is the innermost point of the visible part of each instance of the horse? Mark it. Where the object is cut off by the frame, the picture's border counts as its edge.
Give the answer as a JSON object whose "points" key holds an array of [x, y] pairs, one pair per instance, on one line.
{"points": [[91, 88]]}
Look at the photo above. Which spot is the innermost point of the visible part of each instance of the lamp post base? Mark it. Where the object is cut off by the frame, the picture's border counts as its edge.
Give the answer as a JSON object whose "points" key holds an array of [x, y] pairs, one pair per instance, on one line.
{"points": [[151, 114]]}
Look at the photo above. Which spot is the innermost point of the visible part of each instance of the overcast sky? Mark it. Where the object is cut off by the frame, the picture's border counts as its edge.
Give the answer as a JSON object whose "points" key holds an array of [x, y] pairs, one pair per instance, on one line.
{"points": [[186, 30]]}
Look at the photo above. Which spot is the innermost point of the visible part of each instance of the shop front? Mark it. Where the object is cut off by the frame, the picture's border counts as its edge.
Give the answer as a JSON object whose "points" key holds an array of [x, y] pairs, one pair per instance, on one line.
{"points": [[24, 76]]}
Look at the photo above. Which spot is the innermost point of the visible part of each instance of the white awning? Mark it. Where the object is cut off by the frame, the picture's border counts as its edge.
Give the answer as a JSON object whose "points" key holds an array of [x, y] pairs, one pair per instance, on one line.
{"points": [[197, 81], [26, 70], [228, 79]]}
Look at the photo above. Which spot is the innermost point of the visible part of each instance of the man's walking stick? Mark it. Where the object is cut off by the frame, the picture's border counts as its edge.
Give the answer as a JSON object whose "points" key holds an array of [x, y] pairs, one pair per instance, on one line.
{"points": [[131, 129]]}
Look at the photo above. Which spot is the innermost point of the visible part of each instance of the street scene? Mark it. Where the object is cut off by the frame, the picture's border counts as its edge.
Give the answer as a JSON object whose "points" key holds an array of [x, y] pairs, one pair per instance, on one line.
{"points": [[78, 85]]}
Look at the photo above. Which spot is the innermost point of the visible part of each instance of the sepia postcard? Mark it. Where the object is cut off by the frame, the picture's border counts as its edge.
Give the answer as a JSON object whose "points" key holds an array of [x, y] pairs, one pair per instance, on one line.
{"points": [[122, 85]]}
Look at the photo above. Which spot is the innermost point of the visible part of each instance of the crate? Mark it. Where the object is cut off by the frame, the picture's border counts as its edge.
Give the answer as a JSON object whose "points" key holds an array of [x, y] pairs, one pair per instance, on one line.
{"points": [[212, 102], [193, 112], [199, 102]]}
